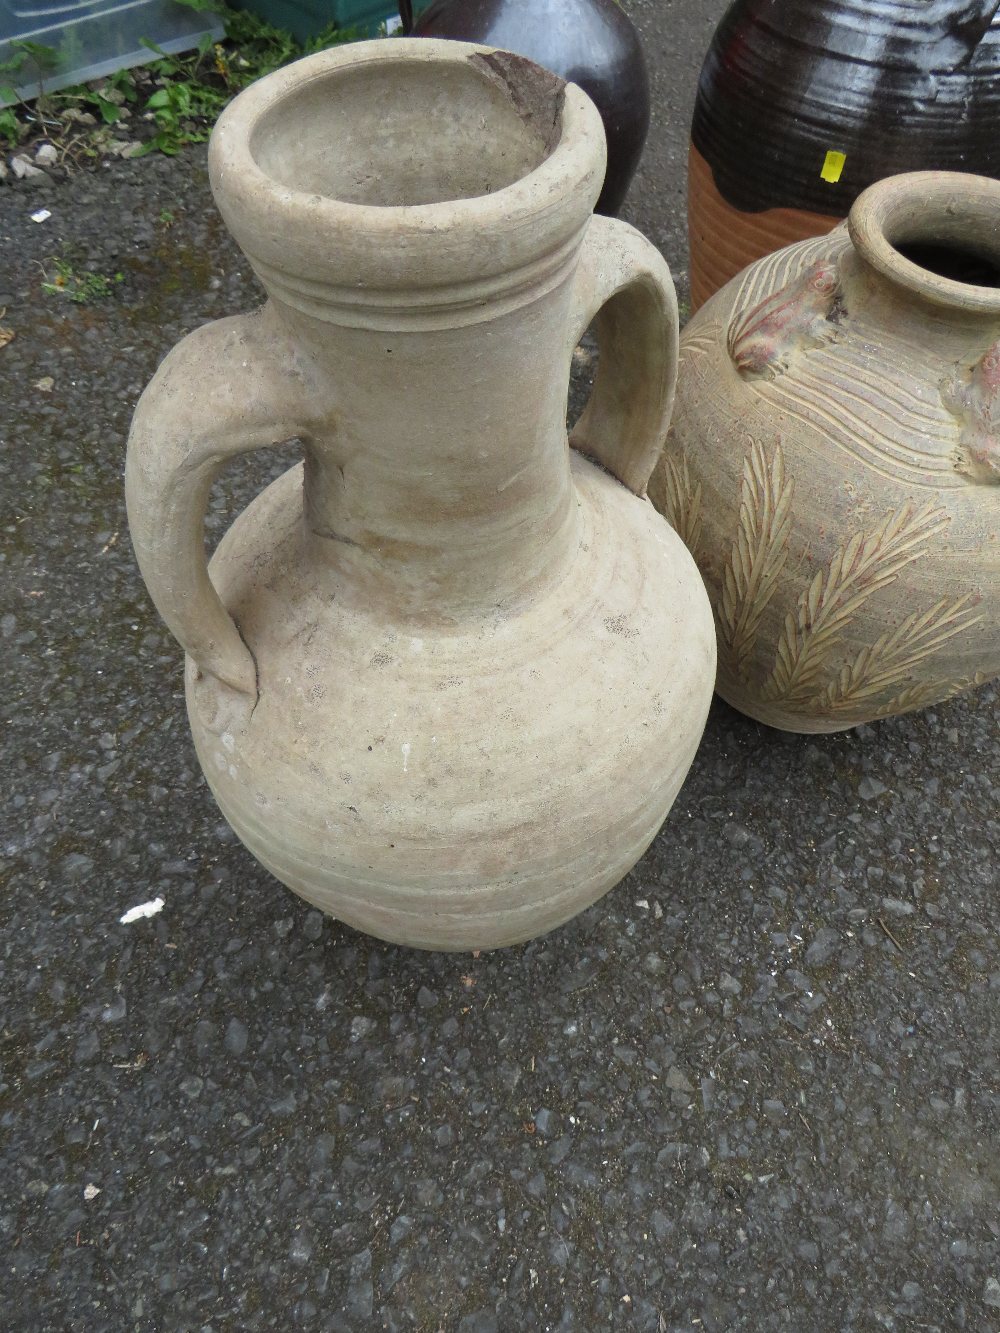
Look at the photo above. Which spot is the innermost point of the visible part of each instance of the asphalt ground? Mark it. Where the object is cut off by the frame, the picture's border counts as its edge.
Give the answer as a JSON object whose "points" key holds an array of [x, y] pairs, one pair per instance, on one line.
{"points": [[754, 1088]]}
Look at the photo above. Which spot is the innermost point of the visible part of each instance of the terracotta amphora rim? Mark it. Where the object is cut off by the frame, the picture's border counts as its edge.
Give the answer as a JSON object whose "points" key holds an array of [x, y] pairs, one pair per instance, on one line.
{"points": [[942, 208], [395, 247]]}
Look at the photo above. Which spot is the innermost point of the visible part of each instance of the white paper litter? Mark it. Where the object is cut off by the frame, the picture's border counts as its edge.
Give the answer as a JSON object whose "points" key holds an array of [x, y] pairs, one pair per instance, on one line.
{"points": [[91, 1192], [41, 215], [142, 911]]}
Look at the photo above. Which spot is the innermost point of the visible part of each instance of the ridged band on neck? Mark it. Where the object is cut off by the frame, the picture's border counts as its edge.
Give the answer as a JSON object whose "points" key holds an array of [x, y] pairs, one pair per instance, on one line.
{"points": [[428, 309]]}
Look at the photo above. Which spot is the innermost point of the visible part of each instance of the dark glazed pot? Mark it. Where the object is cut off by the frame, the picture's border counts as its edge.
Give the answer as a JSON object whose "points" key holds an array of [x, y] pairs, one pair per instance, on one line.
{"points": [[888, 85], [590, 42]]}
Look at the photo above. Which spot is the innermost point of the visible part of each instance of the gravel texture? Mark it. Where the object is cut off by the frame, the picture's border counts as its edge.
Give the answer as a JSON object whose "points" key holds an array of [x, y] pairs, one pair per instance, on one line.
{"points": [[754, 1088]]}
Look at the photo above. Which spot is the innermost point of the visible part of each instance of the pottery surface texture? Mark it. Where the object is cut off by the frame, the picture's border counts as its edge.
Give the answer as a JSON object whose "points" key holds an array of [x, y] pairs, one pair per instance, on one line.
{"points": [[446, 677], [834, 460], [592, 43], [803, 104]]}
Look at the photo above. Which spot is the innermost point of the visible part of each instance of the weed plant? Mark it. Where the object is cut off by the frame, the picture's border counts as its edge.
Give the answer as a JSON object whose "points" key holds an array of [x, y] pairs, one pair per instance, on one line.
{"points": [[158, 107]]}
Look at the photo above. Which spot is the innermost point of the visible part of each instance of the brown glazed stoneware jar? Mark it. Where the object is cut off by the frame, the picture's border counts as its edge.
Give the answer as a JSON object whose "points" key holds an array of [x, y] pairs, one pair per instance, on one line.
{"points": [[834, 460], [446, 677], [592, 43], [802, 104]]}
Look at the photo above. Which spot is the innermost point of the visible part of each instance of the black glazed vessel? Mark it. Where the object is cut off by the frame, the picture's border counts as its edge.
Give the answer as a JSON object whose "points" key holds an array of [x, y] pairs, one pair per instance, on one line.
{"points": [[890, 85], [590, 42]]}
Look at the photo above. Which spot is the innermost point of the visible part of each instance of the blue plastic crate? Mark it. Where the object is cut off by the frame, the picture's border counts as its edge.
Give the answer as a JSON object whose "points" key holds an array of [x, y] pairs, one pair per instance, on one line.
{"points": [[92, 38]]}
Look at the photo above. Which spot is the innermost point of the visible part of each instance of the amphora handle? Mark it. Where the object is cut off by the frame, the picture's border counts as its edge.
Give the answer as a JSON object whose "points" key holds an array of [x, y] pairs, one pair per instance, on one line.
{"points": [[623, 286], [227, 389]]}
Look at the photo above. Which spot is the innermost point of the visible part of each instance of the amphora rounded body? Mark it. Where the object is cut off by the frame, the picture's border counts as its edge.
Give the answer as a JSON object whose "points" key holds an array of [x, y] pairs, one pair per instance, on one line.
{"points": [[834, 460], [447, 676], [803, 104], [592, 43]]}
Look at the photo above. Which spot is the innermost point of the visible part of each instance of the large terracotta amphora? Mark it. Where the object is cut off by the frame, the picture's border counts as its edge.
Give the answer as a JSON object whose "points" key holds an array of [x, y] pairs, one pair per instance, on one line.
{"points": [[802, 104], [591, 42], [834, 460], [446, 677]]}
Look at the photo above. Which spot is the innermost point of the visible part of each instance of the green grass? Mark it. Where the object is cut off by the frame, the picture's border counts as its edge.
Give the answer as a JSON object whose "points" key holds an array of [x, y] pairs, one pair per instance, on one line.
{"points": [[81, 287], [170, 102]]}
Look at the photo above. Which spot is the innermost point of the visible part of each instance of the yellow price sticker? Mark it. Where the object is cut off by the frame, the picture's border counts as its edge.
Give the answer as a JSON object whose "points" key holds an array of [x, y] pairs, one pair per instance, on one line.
{"points": [[833, 166]]}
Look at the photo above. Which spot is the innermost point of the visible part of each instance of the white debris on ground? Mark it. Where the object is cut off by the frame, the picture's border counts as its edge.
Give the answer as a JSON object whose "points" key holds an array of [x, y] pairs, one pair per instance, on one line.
{"points": [[143, 911]]}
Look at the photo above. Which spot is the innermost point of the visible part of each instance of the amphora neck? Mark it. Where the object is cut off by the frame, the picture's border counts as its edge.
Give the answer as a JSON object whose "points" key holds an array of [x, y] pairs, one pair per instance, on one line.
{"points": [[441, 469]]}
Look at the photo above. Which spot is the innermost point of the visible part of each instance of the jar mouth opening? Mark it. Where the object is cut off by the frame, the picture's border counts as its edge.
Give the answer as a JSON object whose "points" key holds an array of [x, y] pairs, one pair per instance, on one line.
{"points": [[935, 233], [399, 133], [965, 264]]}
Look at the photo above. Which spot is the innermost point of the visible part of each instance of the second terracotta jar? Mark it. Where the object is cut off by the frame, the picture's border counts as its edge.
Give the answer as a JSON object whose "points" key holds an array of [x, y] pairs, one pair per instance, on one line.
{"points": [[834, 460], [803, 104]]}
